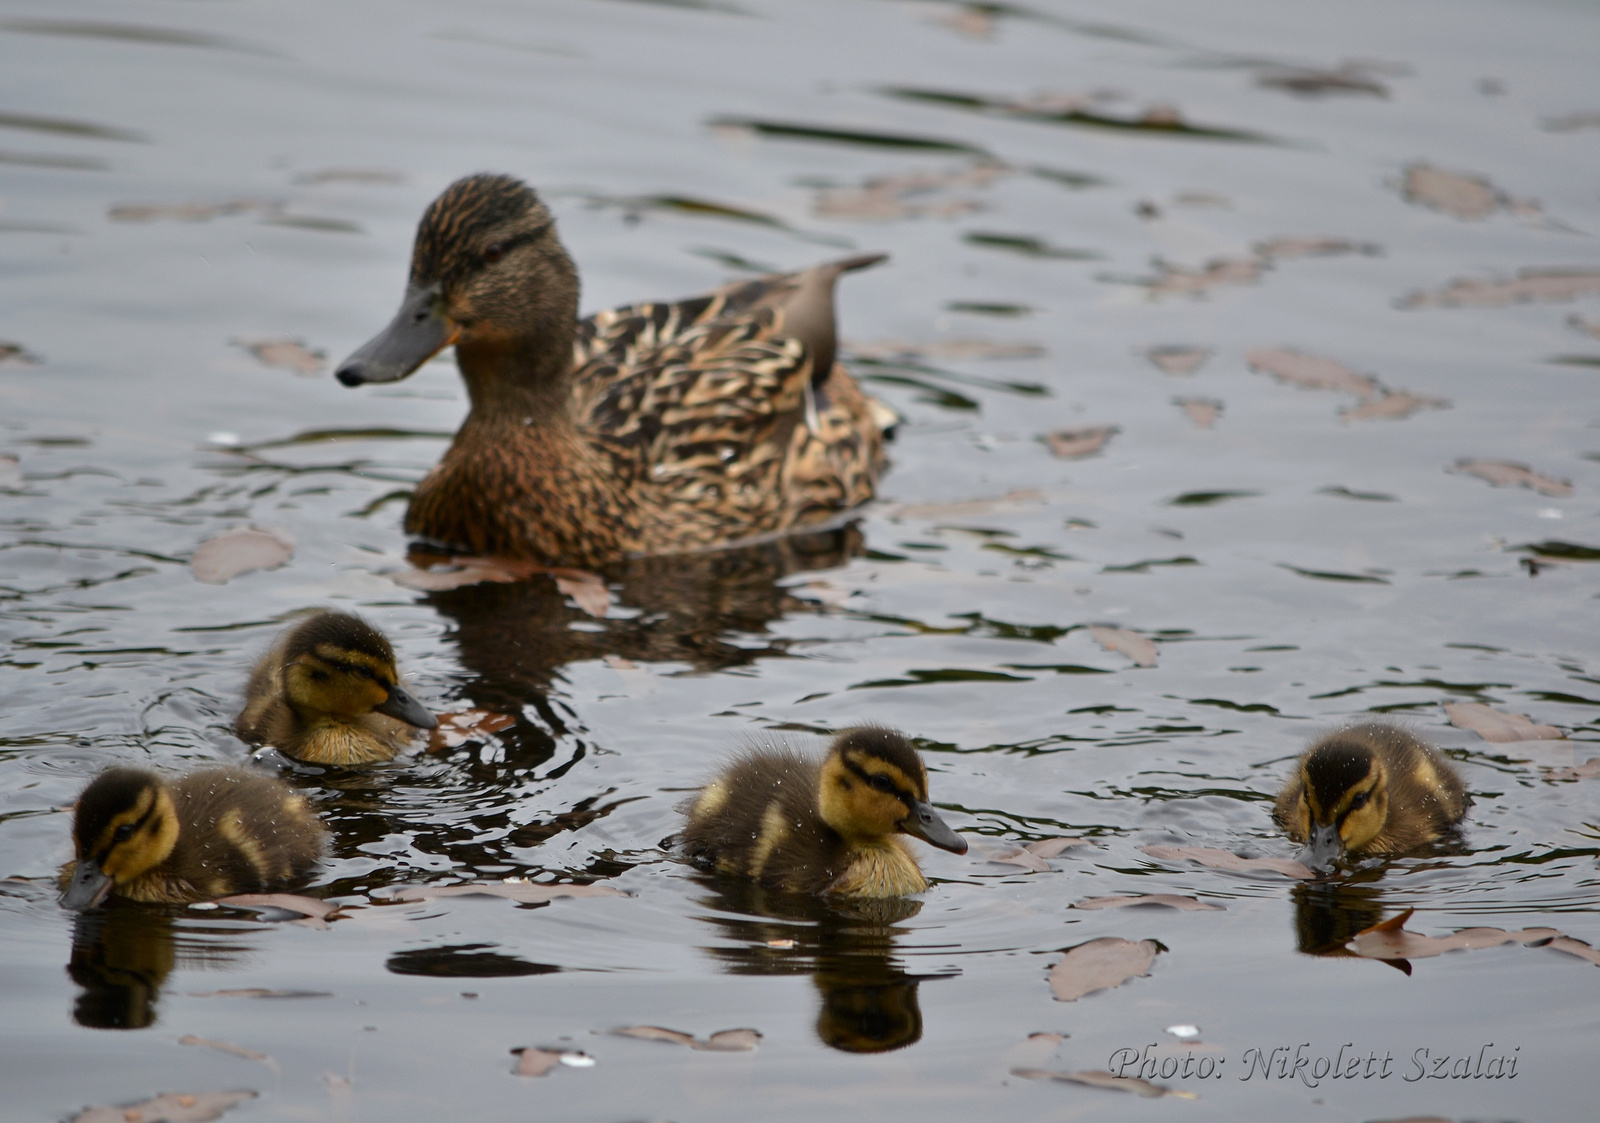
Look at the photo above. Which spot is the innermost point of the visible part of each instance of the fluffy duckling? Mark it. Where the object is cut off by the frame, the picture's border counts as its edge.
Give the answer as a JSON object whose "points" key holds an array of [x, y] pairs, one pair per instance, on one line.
{"points": [[329, 693], [826, 826], [1373, 788], [212, 833], [649, 429]]}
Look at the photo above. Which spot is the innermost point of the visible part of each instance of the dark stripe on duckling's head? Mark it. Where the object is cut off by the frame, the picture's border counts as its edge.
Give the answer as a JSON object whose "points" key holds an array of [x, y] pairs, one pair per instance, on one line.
{"points": [[468, 212], [1332, 771], [328, 633], [865, 752], [115, 805]]}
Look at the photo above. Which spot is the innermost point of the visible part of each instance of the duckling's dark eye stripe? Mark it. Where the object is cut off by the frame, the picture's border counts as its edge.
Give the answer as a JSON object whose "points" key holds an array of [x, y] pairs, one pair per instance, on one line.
{"points": [[868, 777], [345, 668]]}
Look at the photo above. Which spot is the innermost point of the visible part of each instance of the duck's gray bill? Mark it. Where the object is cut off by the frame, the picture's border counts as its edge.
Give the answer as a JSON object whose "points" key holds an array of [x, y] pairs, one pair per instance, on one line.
{"points": [[418, 333], [88, 887], [401, 705]]}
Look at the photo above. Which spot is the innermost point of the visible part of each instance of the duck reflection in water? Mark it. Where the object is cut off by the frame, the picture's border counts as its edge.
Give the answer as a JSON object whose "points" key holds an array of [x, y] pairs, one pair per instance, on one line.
{"points": [[868, 1001], [122, 955], [709, 610]]}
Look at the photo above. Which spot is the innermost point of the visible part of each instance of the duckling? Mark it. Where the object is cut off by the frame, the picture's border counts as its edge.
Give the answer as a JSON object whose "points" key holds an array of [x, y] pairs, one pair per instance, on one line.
{"points": [[329, 693], [827, 826], [1373, 788], [212, 833], [648, 429]]}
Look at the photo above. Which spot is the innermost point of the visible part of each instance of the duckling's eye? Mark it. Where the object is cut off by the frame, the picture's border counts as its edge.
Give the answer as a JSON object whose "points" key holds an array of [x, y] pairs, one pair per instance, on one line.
{"points": [[882, 783], [1359, 802], [124, 833], [319, 676], [494, 253]]}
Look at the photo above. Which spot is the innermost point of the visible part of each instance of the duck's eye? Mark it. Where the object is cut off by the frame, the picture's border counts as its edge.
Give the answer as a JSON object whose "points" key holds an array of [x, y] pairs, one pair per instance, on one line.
{"points": [[319, 676], [124, 833], [493, 253], [882, 783], [1359, 802]]}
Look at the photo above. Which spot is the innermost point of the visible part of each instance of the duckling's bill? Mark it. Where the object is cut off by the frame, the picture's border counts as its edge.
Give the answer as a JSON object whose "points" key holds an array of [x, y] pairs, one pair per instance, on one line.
{"points": [[417, 333], [924, 823], [90, 885], [407, 709]]}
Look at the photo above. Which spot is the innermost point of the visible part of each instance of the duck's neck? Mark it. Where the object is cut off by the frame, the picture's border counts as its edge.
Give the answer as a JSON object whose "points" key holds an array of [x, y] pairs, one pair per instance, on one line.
{"points": [[525, 382]]}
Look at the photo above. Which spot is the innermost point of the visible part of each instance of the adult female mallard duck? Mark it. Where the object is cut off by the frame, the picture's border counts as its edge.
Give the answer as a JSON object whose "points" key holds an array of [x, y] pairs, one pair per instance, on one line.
{"points": [[1373, 788], [828, 826], [212, 833], [329, 693], [648, 429]]}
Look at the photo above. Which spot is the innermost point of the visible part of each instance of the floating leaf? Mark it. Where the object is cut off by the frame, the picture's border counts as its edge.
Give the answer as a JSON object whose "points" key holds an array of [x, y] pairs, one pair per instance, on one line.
{"points": [[1588, 770], [291, 353], [1311, 373], [456, 729], [523, 892], [1396, 404], [587, 590], [1464, 196], [1032, 855], [723, 1041], [1508, 473], [170, 1107], [1203, 412], [1313, 246], [1075, 444], [1136, 647], [16, 353], [1389, 940], [1498, 726], [1174, 280], [896, 196], [1098, 964], [223, 1047], [316, 913], [1167, 900], [537, 1062], [218, 560], [1178, 359], [1576, 947], [430, 574], [1530, 284], [1224, 860], [1094, 1078]]}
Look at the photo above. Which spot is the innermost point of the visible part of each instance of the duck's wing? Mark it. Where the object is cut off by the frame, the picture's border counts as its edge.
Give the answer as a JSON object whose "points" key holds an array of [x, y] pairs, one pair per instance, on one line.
{"points": [[802, 302], [707, 417]]}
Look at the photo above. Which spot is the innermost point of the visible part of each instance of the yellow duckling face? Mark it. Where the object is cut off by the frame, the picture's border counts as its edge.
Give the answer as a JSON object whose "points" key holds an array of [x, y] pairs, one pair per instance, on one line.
{"points": [[874, 784], [339, 666], [124, 826], [487, 274], [1344, 799]]}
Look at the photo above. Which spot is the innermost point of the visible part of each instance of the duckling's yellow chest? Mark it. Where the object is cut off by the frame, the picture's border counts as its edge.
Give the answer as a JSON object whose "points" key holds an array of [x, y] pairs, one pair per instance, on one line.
{"points": [[880, 869], [344, 743]]}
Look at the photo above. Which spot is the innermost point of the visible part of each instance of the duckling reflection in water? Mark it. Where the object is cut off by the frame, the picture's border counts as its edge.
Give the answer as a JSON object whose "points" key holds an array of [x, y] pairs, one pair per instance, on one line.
{"points": [[212, 833], [828, 826], [329, 693], [867, 1003], [1370, 789]]}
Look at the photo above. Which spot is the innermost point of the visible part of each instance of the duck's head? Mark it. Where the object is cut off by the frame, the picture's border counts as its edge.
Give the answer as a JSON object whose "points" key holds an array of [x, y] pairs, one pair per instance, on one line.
{"points": [[1344, 798], [874, 784], [124, 825], [489, 275], [336, 665]]}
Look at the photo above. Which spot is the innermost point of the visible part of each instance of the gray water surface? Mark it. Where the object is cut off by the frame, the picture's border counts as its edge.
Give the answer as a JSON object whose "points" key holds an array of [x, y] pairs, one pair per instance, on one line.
{"points": [[179, 178]]}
